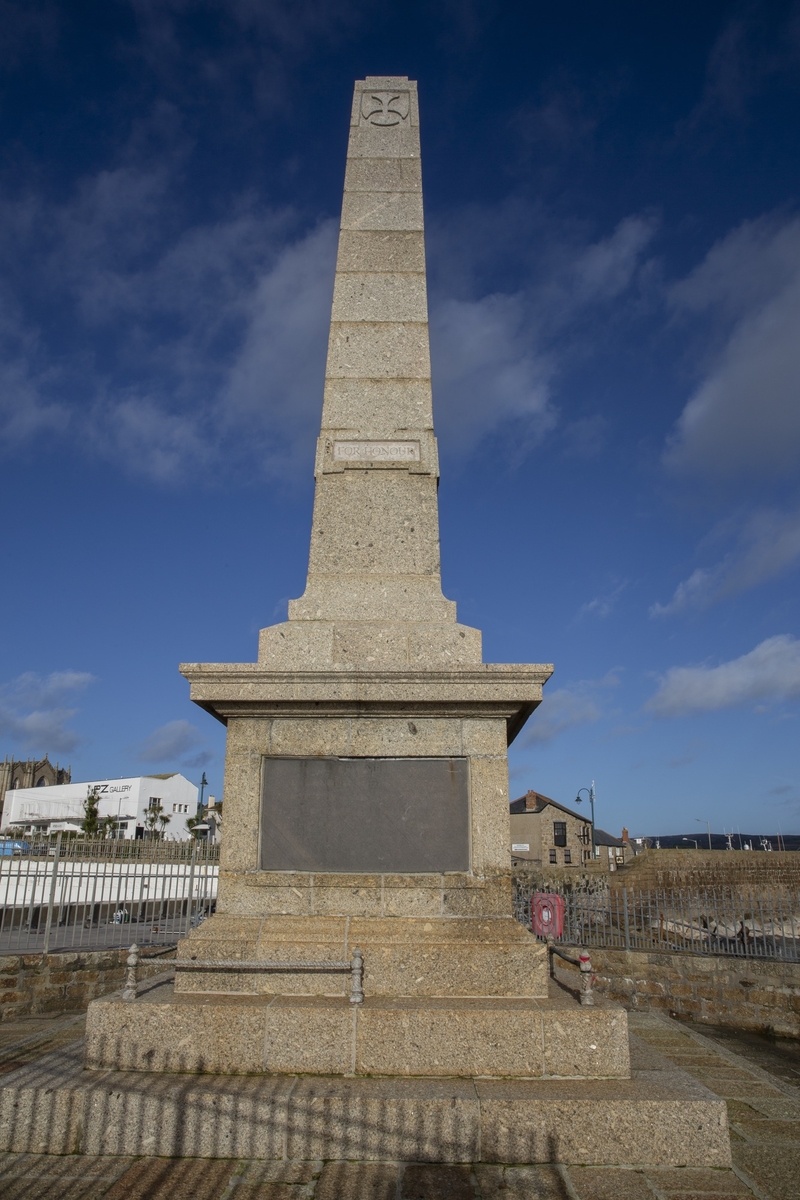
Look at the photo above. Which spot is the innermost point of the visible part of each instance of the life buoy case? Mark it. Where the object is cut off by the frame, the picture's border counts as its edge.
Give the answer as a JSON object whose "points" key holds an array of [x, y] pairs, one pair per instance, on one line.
{"points": [[547, 914]]}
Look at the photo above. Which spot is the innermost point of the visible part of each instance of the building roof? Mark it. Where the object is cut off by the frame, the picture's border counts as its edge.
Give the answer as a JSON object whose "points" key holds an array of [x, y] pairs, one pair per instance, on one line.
{"points": [[535, 802], [601, 838]]}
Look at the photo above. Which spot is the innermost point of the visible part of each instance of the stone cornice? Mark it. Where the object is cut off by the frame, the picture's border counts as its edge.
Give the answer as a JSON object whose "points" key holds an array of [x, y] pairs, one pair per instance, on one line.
{"points": [[510, 691]]}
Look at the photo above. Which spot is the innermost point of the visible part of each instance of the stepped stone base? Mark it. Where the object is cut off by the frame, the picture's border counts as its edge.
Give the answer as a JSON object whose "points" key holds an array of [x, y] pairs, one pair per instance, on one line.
{"points": [[403, 956], [398, 1036], [659, 1116]]}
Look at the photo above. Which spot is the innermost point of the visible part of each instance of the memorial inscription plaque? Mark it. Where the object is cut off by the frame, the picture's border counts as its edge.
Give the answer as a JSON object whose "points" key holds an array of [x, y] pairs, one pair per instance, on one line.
{"points": [[366, 815], [376, 451]]}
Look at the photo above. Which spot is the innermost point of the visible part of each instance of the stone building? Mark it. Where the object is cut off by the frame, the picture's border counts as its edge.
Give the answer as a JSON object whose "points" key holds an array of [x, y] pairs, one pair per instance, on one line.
{"points": [[545, 833], [32, 772]]}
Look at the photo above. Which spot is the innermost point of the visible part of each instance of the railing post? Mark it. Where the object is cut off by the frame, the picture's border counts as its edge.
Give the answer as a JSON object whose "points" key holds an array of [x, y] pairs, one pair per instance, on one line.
{"points": [[625, 918], [129, 992], [191, 887], [357, 977], [52, 896], [551, 941], [587, 995]]}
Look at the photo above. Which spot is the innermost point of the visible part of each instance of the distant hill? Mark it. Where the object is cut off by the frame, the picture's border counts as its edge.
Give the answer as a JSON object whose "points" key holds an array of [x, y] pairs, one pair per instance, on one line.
{"points": [[719, 841]]}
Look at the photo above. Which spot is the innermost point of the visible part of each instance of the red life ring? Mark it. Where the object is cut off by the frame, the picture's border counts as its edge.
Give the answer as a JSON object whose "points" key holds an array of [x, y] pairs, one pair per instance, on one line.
{"points": [[547, 914]]}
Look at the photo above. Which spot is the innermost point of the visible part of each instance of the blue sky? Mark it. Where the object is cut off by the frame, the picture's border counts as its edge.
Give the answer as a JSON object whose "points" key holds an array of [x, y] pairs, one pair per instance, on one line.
{"points": [[613, 238]]}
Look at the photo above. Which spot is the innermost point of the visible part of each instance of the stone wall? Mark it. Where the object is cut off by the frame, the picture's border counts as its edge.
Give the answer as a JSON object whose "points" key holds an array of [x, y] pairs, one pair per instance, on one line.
{"points": [[32, 984], [710, 868], [715, 990]]}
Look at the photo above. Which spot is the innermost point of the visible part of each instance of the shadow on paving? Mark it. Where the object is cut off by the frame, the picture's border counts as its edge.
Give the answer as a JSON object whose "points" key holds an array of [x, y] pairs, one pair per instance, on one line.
{"points": [[779, 1056], [758, 1078]]}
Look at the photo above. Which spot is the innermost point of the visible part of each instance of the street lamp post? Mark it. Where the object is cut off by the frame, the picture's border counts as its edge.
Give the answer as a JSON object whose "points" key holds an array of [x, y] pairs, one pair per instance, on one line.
{"points": [[203, 786], [590, 793], [691, 840], [708, 827]]}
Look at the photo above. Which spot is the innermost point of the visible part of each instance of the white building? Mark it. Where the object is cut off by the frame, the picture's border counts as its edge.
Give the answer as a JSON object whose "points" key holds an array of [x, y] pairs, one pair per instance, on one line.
{"points": [[126, 801]]}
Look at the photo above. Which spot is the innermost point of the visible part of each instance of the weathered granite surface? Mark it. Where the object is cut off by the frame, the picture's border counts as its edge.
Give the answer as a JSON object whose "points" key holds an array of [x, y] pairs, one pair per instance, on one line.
{"points": [[372, 665], [389, 1035], [660, 1116]]}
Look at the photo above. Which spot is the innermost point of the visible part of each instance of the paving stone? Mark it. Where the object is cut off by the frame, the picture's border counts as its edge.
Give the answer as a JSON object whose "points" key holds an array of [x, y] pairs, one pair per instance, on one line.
{"points": [[598, 1183], [358, 1181], [777, 1106], [437, 1183], [521, 1183], [293, 1171], [741, 1110], [777, 1175], [173, 1179], [696, 1179], [705, 1195], [270, 1191], [46, 1176], [735, 1089], [780, 1133]]}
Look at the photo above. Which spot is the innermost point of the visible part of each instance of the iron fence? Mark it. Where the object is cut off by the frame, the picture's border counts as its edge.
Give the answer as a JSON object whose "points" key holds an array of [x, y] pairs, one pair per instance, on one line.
{"points": [[90, 894], [742, 922]]}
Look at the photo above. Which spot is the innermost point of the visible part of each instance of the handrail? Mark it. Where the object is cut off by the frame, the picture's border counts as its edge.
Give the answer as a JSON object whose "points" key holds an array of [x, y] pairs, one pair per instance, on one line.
{"points": [[583, 962], [355, 965]]}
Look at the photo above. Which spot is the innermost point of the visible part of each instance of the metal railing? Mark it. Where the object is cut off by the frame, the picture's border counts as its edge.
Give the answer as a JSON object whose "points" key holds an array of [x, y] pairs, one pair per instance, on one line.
{"points": [[741, 922], [90, 894], [354, 967]]}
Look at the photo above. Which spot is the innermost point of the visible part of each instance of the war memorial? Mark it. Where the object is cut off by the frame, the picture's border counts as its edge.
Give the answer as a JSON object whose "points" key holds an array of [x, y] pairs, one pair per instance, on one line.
{"points": [[363, 990]]}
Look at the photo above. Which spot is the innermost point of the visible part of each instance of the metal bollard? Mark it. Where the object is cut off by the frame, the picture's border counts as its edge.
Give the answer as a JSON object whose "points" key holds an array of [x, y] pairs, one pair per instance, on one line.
{"points": [[129, 992], [357, 977], [587, 978]]}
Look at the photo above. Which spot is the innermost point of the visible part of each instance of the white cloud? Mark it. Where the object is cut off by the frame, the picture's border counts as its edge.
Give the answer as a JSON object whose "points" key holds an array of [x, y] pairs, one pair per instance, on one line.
{"points": [[486, 372], [768, 545], [173, 347], [169, 742], [580, 704], [743, 419], [769, 673], [33, 714], [195, 348], [496, 355], [604, 604]]}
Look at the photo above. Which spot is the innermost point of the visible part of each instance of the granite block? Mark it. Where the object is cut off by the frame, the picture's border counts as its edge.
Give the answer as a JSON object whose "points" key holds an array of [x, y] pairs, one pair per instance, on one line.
{"points": [[447, 1038], [381, 250], [378, 350], [358, 1181], [320, 1042], [595, 1044], [376, 737], [371, 141], [391, 1119], [378, 408], [383, 175], [379, 297], [382, 210], [656, 1117]]}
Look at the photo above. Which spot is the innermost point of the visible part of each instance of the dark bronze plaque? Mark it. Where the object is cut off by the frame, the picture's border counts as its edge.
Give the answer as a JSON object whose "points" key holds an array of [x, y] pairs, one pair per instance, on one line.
{"points": [[365, 814]]}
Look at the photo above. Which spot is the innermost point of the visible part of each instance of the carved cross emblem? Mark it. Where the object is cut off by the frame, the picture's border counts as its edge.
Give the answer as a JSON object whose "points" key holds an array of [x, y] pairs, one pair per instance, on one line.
{"points": [[384, 108]]}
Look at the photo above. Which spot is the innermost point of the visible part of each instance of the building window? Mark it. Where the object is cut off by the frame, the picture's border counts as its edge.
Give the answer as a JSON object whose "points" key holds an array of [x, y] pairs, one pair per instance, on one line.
{"points": [[180, 808], [154, 802], [560, 833], [567, 858], [583, 836], [553, 856], [41, 781]]}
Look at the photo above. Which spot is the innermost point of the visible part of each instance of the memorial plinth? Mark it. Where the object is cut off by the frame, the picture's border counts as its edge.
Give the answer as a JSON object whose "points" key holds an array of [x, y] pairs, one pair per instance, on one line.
{"points": [[366, 778], [366, 775]]}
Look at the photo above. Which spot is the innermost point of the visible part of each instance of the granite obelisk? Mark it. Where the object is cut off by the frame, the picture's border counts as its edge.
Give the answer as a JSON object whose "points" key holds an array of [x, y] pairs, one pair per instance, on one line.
{"points": [[366, 808], [366, 780], [374, 596]]}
